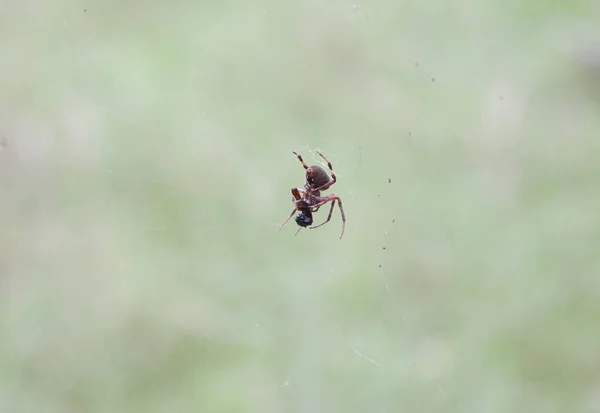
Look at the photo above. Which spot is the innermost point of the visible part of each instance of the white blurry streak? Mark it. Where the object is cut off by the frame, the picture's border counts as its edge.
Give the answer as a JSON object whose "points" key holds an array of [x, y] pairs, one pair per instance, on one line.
{"points": [[370, 360]]}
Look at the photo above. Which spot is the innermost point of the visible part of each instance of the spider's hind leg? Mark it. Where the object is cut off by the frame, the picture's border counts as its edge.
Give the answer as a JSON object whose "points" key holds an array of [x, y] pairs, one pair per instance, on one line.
{"points": [[328, 216], [334, 198]]}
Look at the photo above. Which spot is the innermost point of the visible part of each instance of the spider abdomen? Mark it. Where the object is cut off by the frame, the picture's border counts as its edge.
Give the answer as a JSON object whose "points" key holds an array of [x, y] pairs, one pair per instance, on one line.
{"points": [[316, 176]]}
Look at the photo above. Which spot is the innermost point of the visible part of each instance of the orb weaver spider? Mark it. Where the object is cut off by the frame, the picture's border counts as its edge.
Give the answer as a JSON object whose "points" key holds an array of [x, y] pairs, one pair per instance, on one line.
{"points": [[309, 200]]}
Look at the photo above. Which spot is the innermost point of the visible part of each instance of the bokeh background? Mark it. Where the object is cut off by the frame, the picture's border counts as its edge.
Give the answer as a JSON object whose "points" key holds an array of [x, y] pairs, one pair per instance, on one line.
{"points": [[146, 164]]}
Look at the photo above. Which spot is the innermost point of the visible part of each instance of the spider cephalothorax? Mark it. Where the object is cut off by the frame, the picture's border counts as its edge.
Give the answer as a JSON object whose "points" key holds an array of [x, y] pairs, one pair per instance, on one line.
{"points": [[309, 199]]}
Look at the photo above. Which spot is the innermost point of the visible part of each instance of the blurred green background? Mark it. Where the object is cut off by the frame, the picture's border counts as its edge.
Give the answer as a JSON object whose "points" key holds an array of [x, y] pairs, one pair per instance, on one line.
{"points": [[146, 164]]}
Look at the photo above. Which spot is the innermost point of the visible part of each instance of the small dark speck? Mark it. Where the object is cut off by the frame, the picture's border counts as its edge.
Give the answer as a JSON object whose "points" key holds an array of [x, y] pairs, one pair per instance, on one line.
{"points": [[379, 265], [383, 247], [394, 221], [389, 180], [378, 195], [433, 79], [84, 10], [409, 133]]}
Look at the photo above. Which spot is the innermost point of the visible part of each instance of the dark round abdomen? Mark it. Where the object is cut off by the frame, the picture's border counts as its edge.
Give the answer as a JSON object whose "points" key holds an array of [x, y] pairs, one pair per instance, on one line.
{"points": [[317, 177], [304, 220]]}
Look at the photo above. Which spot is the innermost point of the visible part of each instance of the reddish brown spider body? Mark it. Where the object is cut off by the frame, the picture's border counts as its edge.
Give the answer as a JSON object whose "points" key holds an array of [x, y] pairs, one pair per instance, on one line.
{"points": [[309, 200]]}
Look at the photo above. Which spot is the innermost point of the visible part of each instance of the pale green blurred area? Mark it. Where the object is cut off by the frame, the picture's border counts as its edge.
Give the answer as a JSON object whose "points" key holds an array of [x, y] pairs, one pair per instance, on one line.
{"points": [[146, 164]]}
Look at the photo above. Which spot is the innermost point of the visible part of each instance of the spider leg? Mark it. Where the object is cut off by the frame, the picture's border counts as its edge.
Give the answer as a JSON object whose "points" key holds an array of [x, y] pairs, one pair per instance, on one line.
{"points": [[343, 217], [298, 198], [333, 178], [333, 198], [300, 159], [299, 228], [326, 186], [286, 221], [296, 194], [320, 202], [328, 216]]}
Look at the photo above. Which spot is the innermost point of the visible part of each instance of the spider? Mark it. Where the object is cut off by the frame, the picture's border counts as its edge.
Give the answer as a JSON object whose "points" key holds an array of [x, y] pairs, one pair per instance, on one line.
{"points": [[309, 199]]}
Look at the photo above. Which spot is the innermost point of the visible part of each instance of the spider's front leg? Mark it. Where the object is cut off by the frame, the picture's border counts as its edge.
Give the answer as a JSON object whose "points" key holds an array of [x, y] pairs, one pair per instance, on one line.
{"points": [[288, 218], [296, 197], [297, 194]]}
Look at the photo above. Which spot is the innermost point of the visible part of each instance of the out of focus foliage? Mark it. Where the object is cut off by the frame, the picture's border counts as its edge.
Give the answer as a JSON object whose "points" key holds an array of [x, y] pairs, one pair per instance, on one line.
{"points": [[146, 165]]}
